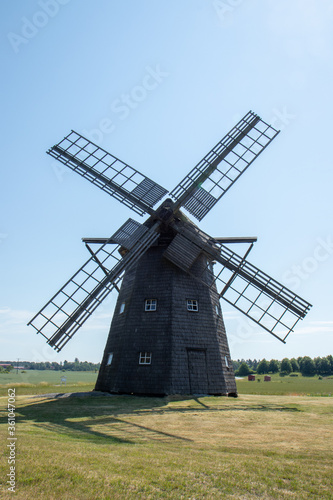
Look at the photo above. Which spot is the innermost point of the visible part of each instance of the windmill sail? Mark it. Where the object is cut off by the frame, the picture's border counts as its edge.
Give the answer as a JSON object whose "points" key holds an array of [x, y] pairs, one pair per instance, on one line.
{"points": [[253, 292], [109, 173], [260, 297], [72, 305], [211, 178]]}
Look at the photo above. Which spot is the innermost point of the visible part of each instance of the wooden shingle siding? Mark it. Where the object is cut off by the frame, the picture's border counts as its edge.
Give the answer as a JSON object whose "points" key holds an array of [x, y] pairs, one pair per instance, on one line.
{"points": [[175, 336]]}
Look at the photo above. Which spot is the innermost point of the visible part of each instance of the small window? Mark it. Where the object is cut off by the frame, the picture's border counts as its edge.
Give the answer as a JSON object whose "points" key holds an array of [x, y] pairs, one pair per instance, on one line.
{"points": [[192, 305], [110, 358], [145, 358], [151, 305], [226, 362], [217, 310], [210, 265], [122, 308]]}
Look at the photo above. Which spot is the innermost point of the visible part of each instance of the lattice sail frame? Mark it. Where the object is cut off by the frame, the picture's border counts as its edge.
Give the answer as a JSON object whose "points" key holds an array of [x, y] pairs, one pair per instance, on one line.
{"points": [[110, 174], [72, 305], [253, 292], [211, 178]]}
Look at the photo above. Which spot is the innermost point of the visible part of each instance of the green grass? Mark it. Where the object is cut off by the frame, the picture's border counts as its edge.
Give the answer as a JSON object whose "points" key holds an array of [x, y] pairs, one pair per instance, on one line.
{"points": [[126, 447], [43, 381], [307, 386]]}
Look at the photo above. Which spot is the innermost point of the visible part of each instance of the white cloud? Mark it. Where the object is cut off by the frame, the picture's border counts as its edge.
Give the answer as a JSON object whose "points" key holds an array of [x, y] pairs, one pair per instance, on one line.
{"points": [[315, 329], [329, 322], [14, 318]]}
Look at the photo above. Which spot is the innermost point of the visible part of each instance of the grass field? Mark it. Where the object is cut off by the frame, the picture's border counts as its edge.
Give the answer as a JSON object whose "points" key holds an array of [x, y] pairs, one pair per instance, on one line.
{"points": [[294, 386], [126, 447], [267, 444], [42, 381]]}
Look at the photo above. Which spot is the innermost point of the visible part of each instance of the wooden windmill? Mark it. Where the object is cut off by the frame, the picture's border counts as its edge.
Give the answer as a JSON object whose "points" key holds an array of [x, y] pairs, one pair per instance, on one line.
{"points": [[167, 335]]}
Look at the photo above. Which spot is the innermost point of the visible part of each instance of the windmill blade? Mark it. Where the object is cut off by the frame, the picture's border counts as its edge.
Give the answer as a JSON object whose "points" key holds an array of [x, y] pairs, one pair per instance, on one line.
{"points": [[260, 297], [253, 292], [113, 176], [236, 239], [72, 305], [211, 178]]}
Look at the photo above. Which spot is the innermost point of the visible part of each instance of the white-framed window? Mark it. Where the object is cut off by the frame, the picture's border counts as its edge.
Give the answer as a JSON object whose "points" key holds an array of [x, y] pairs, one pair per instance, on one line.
{"points": [[122, 308], [150, 304], [145, 358], [192, 305], [226, 362], [110, 358], [217, 310]]}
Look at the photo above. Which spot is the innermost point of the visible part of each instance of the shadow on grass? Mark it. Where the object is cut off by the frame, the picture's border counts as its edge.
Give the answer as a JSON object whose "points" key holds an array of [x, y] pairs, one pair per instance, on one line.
{"points": [[82, 417], [109, 419]]}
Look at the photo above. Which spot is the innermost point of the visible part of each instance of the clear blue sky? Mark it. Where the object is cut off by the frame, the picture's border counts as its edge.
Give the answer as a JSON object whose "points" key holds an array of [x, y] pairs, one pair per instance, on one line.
{"points": [[85, 65]]}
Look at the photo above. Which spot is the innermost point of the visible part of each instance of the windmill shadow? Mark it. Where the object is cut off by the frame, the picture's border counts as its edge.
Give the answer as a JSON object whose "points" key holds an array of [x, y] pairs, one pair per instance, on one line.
{"points": [[243, 407], [75, 417], [106, 419]]}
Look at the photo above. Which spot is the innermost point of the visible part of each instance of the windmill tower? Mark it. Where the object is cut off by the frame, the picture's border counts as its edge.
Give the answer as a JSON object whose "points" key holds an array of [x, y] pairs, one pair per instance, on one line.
{"points": [[167, 334]]}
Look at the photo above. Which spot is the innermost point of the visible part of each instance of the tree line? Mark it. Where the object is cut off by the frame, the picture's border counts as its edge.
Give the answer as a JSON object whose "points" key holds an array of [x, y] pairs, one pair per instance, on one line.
{"points": [[305, 365], [76, 365]]}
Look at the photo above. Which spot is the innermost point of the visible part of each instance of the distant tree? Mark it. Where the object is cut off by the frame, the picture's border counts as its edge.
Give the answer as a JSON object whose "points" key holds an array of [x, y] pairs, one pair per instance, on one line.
{"points": [[236, 365], [254, 364], [67, 365], [263, 367], [317, 362], [273, 366], [324, 367], [32, 365], [294, 365], [243, 370], [6, 369], [40, 366], [286, 366], [307, 366], [330, 360]]}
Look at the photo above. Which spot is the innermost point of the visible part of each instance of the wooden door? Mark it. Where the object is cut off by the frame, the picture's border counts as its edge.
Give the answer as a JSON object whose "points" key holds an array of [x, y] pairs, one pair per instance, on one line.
{"points": [[197, 369]]}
